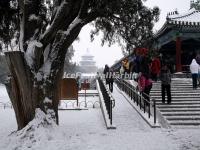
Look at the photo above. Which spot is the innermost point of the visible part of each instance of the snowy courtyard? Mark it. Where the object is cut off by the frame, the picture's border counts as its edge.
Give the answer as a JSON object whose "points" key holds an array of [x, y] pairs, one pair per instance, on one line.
{"points": [[99, 75], [85, 130]]}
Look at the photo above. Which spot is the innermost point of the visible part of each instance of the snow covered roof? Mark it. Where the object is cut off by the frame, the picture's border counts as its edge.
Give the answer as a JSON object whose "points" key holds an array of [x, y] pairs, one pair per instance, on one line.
{"points": [[174, 19], [192, 17]]}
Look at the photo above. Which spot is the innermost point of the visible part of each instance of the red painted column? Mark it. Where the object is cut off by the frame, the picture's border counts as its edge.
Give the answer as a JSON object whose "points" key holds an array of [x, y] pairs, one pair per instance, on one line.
{"points": [[178, 55]]}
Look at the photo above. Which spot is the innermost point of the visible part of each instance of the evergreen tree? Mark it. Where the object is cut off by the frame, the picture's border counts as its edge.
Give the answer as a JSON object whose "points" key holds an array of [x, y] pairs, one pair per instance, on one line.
{"points": [[9, 21], [195, 4], [69, 66]]}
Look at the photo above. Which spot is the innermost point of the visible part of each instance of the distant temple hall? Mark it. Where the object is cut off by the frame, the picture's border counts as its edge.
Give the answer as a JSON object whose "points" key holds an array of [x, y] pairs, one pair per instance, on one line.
{"points": [[179, 39], [87, 64]]}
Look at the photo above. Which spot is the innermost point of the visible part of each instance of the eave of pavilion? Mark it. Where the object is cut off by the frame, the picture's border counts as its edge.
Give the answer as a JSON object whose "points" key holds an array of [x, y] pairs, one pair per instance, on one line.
{"points": [[184, 26]]}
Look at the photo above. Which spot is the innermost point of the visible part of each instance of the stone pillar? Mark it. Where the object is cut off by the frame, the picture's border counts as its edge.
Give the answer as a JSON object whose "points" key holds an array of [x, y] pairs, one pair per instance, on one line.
{"points": [[178, 55]]}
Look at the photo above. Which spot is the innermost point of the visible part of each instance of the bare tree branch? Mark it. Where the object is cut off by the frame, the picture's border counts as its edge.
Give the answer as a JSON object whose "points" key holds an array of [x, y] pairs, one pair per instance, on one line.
{"points": [[63, 9], [66, 13]]}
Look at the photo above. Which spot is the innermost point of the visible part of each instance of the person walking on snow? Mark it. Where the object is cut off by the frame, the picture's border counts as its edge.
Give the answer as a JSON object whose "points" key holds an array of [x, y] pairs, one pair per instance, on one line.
{"points": [[111, 80], [106, 73], [165, 77], [194, 69]]}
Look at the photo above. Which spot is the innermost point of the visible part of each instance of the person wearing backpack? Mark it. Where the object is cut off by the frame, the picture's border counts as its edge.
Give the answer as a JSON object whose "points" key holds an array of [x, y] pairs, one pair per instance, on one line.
{"points": [[165, 77]]}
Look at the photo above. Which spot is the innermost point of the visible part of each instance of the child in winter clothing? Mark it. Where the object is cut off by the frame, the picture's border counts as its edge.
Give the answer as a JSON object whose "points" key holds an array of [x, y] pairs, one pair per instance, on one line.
{"points": [[165, 77]]}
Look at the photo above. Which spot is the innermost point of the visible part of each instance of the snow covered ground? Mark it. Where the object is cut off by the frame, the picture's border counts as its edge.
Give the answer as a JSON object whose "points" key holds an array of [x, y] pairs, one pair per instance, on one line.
{"points": [[3, 94], [85, 130]]}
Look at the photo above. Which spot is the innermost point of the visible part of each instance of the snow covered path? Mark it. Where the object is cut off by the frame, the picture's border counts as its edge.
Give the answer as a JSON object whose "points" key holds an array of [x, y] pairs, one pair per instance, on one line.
{"points": [[135, 133], [85, 130]]}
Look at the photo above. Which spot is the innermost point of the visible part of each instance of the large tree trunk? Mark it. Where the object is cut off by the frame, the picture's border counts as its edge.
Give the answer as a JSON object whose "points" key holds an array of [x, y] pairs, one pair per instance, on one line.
{"points": [[36, 70], [27, 93]]}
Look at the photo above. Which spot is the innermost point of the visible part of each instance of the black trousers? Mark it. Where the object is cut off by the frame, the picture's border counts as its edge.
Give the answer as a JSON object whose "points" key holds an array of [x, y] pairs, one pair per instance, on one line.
{"points": [[146, 93], [154, 76], [168, 89], [111, 86], [198, 78], [194, 80]]}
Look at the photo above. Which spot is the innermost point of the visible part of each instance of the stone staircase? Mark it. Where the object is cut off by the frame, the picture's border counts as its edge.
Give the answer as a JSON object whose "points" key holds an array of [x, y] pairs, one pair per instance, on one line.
{"points": [[184, 111]]}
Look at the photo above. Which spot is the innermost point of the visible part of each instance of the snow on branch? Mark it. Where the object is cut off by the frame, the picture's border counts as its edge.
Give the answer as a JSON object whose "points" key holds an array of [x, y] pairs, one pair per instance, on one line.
{"points": [[47, 100], [31, 54], [62, 10], [33, 17], [52, 55], [76, 21]]}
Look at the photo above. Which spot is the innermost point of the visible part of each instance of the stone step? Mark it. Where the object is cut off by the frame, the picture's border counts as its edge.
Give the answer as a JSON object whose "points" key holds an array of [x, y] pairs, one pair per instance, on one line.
{"points": [[177, 94], [176, 88], [183, 118], [190, 90], [184, 111], [185, 122], [185, 107], [177, 81], [179, 103], [178, 99], [174, 99], [177, 91], [178, 106], [180, 110], [180, 113], [175, 85], [174, 81], [185, 126]]}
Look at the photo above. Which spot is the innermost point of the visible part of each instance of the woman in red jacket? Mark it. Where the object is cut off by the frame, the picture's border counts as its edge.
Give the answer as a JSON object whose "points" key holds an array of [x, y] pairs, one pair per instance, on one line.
{"points": [[155, 68]]}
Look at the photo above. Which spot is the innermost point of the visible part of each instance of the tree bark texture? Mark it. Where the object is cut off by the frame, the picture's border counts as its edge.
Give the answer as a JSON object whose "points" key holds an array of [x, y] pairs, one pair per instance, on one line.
{"points": [[27, 94], [36, 70]]}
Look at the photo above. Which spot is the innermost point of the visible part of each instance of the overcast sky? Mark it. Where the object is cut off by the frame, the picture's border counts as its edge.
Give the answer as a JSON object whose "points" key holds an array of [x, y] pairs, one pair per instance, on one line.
{"points": [[108, 55]]}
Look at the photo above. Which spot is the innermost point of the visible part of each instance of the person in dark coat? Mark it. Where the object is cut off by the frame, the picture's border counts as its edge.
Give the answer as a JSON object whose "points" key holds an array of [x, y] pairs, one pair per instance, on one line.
{"points": [[106, 73], [111, 80], [165, 77], [144, 66]]}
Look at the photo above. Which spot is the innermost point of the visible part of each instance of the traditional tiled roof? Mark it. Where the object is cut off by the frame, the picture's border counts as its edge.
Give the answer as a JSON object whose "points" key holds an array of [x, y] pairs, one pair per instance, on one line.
{"points": [[192, 17], [174, 19]]}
